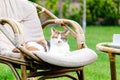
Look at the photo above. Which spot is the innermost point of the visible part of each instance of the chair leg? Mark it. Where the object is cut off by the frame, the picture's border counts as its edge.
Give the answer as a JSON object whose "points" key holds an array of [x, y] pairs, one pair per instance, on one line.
{"points": [[23, 73], [80, 74], [23, 68], [15, 72], [112, 66]]}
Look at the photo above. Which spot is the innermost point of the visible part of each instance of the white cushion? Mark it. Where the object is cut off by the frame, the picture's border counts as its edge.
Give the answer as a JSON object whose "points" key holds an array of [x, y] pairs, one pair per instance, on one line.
{"points": [[25, 13], [76, 58]]}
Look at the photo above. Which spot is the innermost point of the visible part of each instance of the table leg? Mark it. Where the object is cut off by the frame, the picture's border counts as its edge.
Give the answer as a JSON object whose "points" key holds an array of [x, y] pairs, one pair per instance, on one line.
{"points": [[112, 66]]}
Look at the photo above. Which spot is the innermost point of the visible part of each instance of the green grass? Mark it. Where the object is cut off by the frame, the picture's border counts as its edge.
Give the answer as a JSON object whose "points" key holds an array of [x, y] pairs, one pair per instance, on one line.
{"points": [[98, 70]]}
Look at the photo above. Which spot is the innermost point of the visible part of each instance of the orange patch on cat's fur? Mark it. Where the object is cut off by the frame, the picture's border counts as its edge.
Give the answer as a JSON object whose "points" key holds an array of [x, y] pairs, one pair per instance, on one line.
{"points": [[15, 50], [31, 48]]}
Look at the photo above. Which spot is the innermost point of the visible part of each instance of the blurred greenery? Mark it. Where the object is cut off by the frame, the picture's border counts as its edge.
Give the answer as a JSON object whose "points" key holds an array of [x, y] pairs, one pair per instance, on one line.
{"points": [[99, 12], [102, 11]]}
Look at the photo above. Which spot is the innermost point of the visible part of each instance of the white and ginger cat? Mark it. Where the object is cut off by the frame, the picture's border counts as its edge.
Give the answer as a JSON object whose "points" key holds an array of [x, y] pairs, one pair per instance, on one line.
{"points": [[58, 43]]}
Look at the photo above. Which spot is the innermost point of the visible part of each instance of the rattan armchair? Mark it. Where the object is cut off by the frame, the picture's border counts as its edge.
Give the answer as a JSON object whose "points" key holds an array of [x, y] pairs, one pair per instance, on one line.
{"points": [[34, 66]]}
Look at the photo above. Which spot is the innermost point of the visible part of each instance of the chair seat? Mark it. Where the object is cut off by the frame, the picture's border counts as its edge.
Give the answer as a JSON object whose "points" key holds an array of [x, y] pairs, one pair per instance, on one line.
{"points": [[75, 58]]}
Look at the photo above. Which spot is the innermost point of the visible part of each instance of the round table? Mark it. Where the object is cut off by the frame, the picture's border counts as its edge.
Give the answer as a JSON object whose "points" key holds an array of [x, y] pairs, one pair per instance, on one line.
{"points": [[112, 51]]}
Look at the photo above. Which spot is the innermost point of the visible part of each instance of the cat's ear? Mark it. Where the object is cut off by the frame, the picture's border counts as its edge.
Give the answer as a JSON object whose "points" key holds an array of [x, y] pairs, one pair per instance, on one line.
{"points": [[66, 32], [53, 30]]}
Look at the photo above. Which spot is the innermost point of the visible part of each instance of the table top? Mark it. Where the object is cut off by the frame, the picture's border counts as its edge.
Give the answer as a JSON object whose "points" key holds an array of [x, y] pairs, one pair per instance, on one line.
{"points": [[106, 47]]}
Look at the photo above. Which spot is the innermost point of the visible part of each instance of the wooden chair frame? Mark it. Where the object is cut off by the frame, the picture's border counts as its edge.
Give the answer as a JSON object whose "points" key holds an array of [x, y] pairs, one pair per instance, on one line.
{"points": [[33, 63]]}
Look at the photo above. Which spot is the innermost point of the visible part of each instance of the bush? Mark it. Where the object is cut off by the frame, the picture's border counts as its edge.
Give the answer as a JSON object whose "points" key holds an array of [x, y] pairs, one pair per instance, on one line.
{"points": [[99, 12], [102, 12]]}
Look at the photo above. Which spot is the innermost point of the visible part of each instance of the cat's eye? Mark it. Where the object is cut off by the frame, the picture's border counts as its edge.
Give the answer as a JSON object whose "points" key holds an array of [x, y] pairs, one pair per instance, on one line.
{"points": [[64, 38], [55, 36]]}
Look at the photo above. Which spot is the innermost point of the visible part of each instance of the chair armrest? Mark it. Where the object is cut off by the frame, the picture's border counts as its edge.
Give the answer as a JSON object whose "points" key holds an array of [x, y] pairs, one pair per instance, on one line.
{"points": [[17, 40], [78, 33]]}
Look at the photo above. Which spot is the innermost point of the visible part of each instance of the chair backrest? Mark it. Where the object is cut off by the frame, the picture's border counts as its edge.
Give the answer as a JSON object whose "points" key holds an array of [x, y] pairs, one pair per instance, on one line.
{"points": [[25, 13]]}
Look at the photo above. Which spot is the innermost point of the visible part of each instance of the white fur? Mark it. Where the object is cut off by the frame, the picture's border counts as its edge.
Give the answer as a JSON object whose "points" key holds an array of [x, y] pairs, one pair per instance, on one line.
{"points": [[62, 47]]}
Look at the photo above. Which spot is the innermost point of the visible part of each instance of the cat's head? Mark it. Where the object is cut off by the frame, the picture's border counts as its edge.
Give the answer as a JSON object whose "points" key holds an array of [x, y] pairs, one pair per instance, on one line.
{"points": [[58, 37]]}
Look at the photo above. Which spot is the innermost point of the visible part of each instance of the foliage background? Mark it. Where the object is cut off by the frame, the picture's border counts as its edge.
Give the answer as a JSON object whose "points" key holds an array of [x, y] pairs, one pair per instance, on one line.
{"points": [[99, 12]]}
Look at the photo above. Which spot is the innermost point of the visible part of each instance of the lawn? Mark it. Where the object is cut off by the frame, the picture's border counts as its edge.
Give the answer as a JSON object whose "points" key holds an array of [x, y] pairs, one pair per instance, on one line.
{"points": [[98, 70]]}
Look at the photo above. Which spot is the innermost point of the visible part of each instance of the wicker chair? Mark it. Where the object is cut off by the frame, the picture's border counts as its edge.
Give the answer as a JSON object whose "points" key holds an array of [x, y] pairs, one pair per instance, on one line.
{"points": [[34, 66]]}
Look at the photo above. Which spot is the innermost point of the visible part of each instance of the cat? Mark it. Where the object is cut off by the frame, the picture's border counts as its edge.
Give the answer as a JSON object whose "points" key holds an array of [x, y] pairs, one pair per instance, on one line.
{"points": [[58, 43]]}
